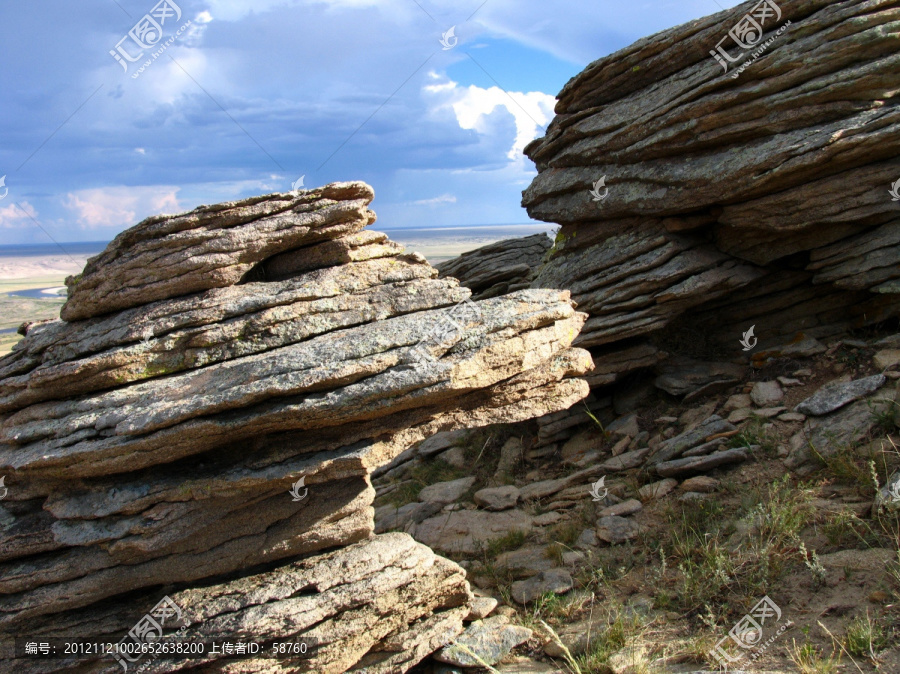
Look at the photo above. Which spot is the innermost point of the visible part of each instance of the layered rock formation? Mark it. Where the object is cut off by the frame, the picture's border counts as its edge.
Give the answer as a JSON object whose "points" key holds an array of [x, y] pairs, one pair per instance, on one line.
{"points": [[208, 362], [758, 196], [499, 268]]}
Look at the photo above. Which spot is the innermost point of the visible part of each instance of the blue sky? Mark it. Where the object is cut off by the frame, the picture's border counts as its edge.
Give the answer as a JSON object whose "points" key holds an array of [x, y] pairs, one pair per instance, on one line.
{"points": [[254, 94]]}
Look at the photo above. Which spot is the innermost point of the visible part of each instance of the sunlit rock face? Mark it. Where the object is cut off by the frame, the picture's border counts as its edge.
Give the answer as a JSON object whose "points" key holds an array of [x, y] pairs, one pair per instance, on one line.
{"points": [[699, 195], [203, 423]]}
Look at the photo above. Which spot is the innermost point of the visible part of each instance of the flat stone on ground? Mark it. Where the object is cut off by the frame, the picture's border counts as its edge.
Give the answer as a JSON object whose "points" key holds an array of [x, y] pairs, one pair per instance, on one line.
{"points": [[673, 447], [481, 607], [701, 483], [656, 490], [614, 529], [739, 415], [490, 640], [497, 498], [769, 412], [833, 396], [547, 519], [557, 581], [886, 359], [701, 464], [622, 509], [625, 461], [587, 539], [626, 425], [525, 562], [446, 492], [766, 393], [737, 401], [457, 532]]}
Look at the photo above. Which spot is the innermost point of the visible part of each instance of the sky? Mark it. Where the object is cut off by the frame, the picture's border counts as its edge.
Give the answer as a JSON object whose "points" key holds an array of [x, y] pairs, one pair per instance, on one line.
{"points": [[247, 97]]}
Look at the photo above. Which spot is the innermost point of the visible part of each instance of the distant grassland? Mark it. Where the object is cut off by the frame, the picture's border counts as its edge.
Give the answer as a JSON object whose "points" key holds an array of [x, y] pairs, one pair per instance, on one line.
{"points": [[17, 310], [7, 342], [11, 285]]}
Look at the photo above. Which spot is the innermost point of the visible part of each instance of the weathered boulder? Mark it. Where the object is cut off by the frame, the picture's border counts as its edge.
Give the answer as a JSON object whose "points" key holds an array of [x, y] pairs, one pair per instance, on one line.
{"points": [[212, 246], [753, 197], [207, 418]]}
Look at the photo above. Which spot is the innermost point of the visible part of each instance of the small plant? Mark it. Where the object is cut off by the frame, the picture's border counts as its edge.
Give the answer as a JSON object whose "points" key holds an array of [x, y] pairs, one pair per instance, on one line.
{"points": [[811, 559], [593, 417], [555, 551], [845, 529], [755, 433], [622, 630], [885, 415], [864, 637], [566, 533], [567, 654], [810, 661], [559, 243], [420, 476], [512, 540], [847, 466]]}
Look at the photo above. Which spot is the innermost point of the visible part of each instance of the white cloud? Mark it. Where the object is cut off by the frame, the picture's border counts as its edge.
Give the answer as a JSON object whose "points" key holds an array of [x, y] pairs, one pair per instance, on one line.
{"points": [[13, 217], [436, 201], [121, 206], [473, 105], [234, 10]]}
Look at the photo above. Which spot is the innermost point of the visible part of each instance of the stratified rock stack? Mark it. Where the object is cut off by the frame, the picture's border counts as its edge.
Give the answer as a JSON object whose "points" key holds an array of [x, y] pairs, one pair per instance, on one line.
{"points": [[757, 196], [499, 268], [207, 363]]}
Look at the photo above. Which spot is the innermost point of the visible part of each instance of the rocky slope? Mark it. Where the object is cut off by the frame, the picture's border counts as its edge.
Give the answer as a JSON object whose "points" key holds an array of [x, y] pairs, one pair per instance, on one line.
{"points": [[203, 423], [644, 539], [760, 196]]}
